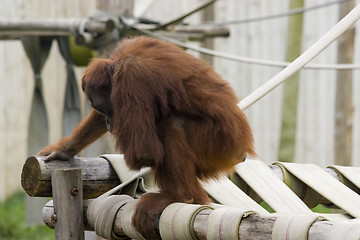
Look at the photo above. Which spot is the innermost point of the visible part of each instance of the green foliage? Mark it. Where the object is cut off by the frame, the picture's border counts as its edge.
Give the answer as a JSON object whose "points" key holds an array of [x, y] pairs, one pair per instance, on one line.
{"points": [[80, 55], [12, 221], [266, 207], [321, 209]]}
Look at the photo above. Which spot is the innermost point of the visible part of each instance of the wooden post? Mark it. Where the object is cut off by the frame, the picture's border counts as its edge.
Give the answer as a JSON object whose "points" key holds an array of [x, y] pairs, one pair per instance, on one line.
{"points": [[291, 87], [343, 102], [68, 203]]}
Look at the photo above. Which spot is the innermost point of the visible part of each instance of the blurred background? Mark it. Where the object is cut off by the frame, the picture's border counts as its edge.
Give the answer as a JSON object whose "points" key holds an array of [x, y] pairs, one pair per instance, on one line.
{"points": [[313, 118]]}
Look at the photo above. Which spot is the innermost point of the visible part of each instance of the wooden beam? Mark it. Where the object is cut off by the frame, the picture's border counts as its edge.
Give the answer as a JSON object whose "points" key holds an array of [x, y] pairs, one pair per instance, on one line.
{"points": [[254, 226], [97, 174], [14, 28], [49, 217]]}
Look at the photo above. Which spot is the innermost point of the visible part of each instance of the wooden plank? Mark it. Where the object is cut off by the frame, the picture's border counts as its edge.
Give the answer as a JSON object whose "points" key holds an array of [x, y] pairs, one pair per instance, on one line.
{"points": [[68, 203]]}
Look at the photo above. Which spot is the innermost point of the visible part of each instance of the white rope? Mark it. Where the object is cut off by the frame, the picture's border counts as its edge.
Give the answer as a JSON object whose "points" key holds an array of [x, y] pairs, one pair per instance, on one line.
{"points": [[242, 59], [303, 59]]}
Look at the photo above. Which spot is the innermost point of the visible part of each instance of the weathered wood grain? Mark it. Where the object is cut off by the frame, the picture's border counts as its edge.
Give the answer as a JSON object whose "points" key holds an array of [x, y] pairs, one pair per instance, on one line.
{"points": [[68, 203], [253, 227], [97, 174]]}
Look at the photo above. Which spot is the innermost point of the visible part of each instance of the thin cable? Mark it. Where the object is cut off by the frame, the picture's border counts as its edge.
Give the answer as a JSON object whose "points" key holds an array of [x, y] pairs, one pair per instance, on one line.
{"points": [[247, 60], [303, 59], [273, 16]]}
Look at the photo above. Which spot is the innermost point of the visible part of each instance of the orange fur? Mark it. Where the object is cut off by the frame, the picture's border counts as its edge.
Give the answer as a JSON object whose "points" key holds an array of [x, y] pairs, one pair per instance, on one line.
{"points": [[167, 110]]}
